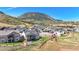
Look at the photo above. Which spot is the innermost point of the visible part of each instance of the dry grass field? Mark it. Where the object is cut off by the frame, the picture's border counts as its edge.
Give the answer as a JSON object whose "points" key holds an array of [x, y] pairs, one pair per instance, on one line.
{"points": [[9, 25], [6, 25], [69, 42]]}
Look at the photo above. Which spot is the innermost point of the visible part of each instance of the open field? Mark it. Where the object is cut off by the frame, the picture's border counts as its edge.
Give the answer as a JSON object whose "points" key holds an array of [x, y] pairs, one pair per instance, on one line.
{"points": [[68, 42]]}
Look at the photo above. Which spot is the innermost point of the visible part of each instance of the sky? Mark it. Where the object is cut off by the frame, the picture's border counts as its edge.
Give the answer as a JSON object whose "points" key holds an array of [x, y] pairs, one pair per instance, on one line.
{"points": [[61, 13]]}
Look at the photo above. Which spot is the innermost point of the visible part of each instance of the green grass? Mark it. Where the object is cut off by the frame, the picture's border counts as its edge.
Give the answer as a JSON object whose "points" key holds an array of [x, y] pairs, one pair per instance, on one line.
{"points": [[34, 44], [41, 40], [17, 45], [10, 44]]}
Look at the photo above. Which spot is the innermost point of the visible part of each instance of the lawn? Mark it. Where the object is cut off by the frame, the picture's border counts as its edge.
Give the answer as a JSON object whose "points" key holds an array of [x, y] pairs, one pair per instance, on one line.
{"points": [[10, 44]]}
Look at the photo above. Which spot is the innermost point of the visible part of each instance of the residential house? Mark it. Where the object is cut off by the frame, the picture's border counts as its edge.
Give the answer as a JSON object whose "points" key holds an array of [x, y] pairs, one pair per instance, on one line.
{"points": [[9, 36]]}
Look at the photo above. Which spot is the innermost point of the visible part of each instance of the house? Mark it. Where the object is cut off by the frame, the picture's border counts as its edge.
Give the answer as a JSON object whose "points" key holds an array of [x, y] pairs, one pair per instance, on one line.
{"points": [[38, 27], [9, 36], [43, 34], [76, 29], [28, 34], [32, 35]]}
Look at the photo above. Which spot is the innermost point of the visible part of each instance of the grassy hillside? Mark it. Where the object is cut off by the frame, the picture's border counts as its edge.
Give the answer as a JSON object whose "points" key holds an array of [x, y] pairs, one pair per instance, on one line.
{"points": [[31, 18], [37, 18]]}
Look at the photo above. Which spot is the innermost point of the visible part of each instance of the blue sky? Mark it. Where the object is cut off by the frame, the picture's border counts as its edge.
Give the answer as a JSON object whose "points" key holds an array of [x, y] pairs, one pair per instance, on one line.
{"points": [[62, 13]]}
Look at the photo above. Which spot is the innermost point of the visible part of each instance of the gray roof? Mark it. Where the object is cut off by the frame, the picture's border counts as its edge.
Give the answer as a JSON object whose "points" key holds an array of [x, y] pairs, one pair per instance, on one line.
{"points": [[3, 32]]}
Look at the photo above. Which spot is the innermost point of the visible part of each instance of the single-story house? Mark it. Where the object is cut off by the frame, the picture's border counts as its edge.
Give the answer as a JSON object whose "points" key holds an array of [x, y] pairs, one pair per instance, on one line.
{"points": [[32, 35], [9, 36]]}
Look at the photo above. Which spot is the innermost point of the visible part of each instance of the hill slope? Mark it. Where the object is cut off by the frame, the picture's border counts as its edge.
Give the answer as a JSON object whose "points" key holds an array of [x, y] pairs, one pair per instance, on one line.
{"points": [[37, 18], [4, 18]]}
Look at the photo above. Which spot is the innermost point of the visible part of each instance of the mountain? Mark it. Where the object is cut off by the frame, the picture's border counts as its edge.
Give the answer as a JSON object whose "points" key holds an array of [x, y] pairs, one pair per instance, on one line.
{"points": [[36, 17], [4, 18], [28, 19]]}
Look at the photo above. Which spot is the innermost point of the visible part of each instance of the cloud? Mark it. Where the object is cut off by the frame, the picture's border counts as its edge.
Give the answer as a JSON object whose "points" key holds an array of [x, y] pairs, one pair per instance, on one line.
{"points": [[6, 9], [11, 8]]}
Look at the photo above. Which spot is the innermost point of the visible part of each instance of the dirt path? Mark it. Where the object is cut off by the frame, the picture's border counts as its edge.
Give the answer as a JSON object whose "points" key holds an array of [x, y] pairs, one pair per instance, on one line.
{"points": [[56, 46]]}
